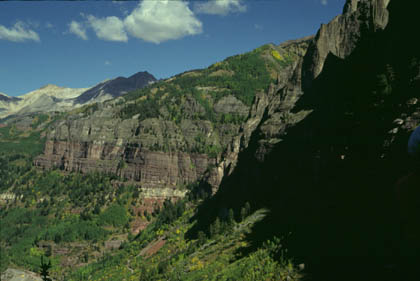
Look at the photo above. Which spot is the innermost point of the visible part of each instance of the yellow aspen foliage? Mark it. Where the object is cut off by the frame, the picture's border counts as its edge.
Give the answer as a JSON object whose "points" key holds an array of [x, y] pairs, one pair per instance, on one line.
{"points": [[196, 264], [277, 55]]}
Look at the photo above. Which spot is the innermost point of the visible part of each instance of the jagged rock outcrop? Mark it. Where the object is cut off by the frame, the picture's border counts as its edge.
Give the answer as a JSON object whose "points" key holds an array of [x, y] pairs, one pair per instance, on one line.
{"points": [[272, 111], [338, 38], [278, 101], [329, 177], [341, 36]]}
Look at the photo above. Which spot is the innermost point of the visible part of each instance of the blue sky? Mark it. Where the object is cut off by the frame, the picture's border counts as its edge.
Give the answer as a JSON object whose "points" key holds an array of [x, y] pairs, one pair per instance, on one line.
{"points": [[78, 44]]}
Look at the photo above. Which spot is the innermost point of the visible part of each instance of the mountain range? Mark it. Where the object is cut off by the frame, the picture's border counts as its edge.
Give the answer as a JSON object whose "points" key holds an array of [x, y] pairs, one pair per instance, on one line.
{"points": [[54, 98], [310, 136]]}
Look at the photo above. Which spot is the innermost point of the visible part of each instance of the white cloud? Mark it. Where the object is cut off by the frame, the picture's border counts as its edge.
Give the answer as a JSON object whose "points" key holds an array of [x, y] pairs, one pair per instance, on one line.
{"points": [[220, 7], [109, 28], [107, 62], [258, 26], [18, 33], [159, 21], [78, 29], [153, 21], [324, 2], [49, 25]]}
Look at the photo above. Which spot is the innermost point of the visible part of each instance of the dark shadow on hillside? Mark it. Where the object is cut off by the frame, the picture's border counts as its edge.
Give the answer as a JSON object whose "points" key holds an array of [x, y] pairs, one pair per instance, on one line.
{"points": [[330, 184]]}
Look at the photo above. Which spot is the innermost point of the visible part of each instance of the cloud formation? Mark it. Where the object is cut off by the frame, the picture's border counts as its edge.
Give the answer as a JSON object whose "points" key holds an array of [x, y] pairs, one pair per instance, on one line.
{"points": [[109, 28], [152, 21], [159, 21], [18, 33], [78, 29], [324, 2], [220, 7]]}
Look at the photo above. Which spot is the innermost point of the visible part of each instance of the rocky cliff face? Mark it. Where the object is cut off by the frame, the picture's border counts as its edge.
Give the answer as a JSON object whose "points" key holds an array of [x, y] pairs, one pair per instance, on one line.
{"points": [[273, 111], [148, 152], [310, 146], [341, 36], [332, 144], [194, 137]]}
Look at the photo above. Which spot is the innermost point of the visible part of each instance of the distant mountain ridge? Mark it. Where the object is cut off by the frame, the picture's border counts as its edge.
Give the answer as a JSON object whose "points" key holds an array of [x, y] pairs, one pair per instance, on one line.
{"points": [[55, 98], [115, 87], [47, 98], [6, 98]]}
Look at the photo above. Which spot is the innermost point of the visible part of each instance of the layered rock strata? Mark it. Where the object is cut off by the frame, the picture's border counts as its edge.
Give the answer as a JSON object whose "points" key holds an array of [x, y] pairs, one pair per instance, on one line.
{"points": [[160, 153]]}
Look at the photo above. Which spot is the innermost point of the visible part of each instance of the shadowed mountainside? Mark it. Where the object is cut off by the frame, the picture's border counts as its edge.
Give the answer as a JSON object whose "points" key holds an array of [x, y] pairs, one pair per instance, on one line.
{"points": [[330, 182]]}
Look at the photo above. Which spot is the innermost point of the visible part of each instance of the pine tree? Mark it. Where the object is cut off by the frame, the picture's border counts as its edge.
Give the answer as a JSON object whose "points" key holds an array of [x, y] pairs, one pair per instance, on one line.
{"points": [[230, 220], [45, 267], [247, 208], [215, 228], [243, 213], [201, 237]]}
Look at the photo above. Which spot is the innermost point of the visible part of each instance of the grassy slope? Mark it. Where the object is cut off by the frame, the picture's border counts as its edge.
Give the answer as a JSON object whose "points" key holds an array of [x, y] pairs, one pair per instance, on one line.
{"points": [[162, 253]]}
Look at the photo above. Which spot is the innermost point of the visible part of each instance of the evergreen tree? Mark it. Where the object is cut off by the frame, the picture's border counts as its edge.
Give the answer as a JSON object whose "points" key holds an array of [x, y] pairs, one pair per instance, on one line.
{"points": [[230, 220], [247, 208], [215, 228], [45, 267], [201, 238], [243, 213]]}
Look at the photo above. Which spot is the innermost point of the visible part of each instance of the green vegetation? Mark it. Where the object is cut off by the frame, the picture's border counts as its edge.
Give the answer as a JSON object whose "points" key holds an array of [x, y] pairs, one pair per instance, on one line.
{"points": [[25, 134], [197, 96], [52, 212], [88, 222], [39, 119], [13, 140], [161, 252], [250, 74], [241, 76], [47, 209], [115, 215]]}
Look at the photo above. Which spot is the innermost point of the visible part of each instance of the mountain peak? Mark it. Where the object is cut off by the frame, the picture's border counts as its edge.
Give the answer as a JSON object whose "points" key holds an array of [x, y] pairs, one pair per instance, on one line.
{"points": [[50, 86], [142, 73], [116, 87]]}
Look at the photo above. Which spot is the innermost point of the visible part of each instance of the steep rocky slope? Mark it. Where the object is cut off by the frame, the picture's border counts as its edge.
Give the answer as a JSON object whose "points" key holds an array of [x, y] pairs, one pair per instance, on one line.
{"points": [[330, 179], [315, 130], [194, 126], [177, 131]]}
